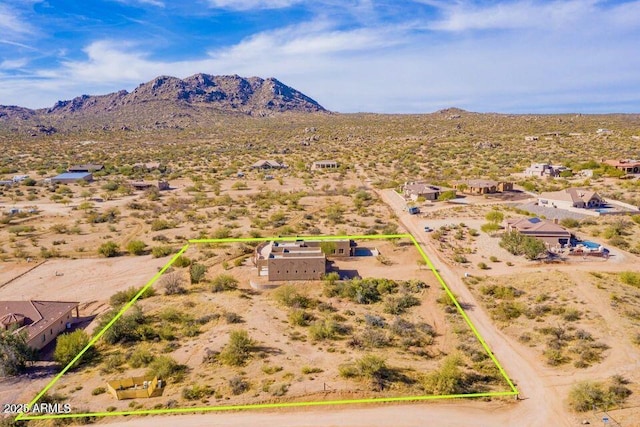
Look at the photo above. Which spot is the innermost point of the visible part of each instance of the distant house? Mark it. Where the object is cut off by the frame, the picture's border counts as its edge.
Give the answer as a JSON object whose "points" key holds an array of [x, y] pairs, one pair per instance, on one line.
{"points": [[544, 169], [41, 321], [299, 260], [142, 185], [483, 186], [19, 178], [324, 164], [69, 177], [571, 198], [90, 167], [415, 189], [604, 132], [267, 164], [7, 183], [531, 138], [549, 232], [626, 165], [148, 166]]}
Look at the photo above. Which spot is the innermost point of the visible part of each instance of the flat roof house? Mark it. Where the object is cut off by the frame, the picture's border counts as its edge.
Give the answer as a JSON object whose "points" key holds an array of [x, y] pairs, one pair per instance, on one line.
{"points": [[571, 198], [324, 164], [483, 186], [268, 164], [89, 167], [69, 177], [415, 189], [297, 260], [544, 169], [41, 321], [549, 232]]}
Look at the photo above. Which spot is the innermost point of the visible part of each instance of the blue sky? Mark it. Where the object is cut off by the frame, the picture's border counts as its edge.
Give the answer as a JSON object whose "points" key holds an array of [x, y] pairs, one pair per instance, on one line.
{"points": [[387, 56]]}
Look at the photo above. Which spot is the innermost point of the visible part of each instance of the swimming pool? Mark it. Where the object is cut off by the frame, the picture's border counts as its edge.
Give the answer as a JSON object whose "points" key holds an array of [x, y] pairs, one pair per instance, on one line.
{"points": [[590, 245]]}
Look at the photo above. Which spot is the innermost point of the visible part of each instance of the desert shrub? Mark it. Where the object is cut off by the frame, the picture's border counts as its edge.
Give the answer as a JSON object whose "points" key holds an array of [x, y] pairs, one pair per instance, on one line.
{"points": [[197, 392], [571, 314], [494, 216], [361, 291], [68, 346], [494, 258], [483, 266], [370, 367], [172, 284], [326, 329], [238, 349], [507, 310], [375, 321], [374, 338], [238, 385], [271, 369], [630, 278], [311, 370], [449, 379], [136, 247], [299, 317], [123, 330], [231, 317], [223, 282], [569, 222], [167, 368], [197, 272], [161, 224], [519, 244], [98, 390], [290, 296], [501, 292], [109, 249], [181, 262], [15, 354], [587, 395], [161, 251], [120, 298], [140, 357], [399, 304]]}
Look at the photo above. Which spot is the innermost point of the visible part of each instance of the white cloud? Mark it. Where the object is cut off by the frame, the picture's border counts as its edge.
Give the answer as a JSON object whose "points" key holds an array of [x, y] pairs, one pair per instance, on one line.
{"points": [[252, 4], [12, 64], [11, 23], [156, 3], [393, 69], [530, 14]]}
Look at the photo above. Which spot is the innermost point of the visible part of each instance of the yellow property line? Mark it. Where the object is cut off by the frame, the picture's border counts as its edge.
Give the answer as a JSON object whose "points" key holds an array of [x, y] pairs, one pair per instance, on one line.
{"points": [[513, 392]]}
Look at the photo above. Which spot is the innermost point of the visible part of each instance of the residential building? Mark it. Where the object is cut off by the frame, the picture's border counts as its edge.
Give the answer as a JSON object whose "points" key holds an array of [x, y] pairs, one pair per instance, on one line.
{"points": [[268, 164], [41, 321], [544, 169], [626, 165], [531, 138], [571, 198], [19, 178], [483, 186], [69, 177], [549, 232], [90, 167], [324, 164], [142, 185], [414, 189], [297, 260]]}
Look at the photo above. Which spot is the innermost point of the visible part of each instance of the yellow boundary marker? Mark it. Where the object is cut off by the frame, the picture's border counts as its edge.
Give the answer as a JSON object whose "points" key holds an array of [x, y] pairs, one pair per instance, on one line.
{"points": [[513, 390]]}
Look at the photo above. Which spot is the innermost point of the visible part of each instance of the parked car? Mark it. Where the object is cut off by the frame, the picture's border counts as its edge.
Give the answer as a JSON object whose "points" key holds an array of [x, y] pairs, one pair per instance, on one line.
{"points": [[427, 229]]}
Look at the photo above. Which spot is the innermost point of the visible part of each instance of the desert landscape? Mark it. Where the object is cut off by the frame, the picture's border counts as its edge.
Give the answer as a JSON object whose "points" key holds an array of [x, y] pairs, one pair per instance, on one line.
{"points": [[217, 333]]}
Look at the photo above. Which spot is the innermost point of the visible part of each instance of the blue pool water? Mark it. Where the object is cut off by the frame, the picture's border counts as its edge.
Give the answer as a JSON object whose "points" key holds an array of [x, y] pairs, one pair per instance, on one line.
{"points": [[591, 245]]}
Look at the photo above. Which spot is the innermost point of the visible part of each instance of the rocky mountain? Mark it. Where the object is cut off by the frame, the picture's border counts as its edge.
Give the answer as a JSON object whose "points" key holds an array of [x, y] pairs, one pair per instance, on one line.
{"points": [[166, 102]]}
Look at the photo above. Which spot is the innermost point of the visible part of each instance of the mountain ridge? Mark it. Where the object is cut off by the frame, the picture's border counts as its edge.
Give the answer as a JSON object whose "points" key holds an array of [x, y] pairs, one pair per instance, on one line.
{"points": [[164, 99]]}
